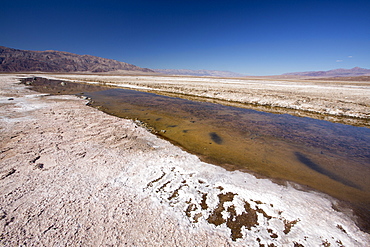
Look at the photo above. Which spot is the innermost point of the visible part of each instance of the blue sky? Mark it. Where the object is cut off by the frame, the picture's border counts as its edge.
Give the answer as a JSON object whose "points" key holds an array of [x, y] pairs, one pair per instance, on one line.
{"points": [[248, 37]]}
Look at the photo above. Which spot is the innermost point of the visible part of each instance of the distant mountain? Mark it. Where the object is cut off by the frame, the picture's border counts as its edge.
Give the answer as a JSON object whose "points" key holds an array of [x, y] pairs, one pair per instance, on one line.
{"points": [[356, 71], [189, 72], [13, 60]]}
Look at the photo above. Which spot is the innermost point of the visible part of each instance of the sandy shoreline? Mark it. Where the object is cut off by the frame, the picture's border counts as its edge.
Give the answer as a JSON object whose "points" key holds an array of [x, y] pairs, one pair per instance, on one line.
{"points": [[71, 175]]}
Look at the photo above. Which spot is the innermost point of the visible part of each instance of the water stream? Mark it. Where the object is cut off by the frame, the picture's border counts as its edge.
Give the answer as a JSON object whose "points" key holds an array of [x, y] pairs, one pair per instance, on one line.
{"points": [[329, 157]]}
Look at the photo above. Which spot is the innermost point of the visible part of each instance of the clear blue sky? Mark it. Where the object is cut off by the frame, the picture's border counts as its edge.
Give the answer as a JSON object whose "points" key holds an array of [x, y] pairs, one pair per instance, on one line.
{"points": [[249, 37]]}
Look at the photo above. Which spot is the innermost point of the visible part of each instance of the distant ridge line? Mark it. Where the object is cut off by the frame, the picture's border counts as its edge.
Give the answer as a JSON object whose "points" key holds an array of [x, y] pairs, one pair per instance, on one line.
{"points": [[189, 72], [356, 71], [15, 60]]}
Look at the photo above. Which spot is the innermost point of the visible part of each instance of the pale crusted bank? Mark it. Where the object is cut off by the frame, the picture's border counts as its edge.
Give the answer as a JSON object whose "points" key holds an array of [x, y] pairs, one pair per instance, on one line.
{"points": [[71, 175]]}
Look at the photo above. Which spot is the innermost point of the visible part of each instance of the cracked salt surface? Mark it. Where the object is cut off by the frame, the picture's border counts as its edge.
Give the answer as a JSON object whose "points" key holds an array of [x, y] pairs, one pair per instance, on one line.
{"points": [[250, 211]]}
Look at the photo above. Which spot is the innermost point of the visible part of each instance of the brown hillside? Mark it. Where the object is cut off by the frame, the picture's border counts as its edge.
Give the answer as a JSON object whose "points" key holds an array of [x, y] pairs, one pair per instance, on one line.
{"points": [[14, 60]]}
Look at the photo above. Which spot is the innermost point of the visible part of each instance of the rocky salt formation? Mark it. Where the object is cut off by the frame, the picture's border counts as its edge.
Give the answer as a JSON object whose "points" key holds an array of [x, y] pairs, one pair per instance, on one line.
{"points": [[71, 175]]}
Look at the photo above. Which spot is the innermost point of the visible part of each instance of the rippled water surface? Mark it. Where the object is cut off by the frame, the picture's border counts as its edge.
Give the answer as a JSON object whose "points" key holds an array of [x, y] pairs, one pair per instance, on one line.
{"points": [[330, 157]]}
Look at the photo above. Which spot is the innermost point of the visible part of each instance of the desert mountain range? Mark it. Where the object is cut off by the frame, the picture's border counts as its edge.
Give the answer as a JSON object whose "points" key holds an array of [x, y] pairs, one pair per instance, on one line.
{"points": [[14, 60], [356, 71], [201, 72]]}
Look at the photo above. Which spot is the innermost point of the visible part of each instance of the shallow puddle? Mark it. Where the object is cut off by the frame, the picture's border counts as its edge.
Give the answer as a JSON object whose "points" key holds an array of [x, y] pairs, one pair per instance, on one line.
{"points": [[329, 157]]}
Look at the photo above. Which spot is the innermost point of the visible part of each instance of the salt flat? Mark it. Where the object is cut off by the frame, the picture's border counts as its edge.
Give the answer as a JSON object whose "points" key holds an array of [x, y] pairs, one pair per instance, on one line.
{"points": [[72, 175]]}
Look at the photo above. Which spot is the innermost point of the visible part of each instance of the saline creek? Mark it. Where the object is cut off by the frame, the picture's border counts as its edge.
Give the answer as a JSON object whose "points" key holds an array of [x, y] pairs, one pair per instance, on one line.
{"points": [[328, 157]]}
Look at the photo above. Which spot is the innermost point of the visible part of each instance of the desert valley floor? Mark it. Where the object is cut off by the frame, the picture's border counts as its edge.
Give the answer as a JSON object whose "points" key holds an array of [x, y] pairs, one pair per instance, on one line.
{"points": [[73, 175]]}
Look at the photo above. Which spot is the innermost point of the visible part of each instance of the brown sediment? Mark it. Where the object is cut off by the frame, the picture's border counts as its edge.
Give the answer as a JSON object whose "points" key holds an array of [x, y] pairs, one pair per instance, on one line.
{"points": [[203, 203], [216, 217], [263, 213], [163, 186], [190, 208], [176, 192], [289, 225], [7, 173], [235, 222], [150, 184]]}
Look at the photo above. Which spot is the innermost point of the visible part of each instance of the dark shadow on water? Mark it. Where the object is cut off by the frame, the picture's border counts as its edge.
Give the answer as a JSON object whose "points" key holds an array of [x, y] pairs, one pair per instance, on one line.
{"points": [[216, 138], [309, 163]]}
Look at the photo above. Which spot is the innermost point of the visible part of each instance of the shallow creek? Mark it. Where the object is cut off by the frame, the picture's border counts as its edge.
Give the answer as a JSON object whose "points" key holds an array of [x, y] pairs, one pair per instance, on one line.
{"points": [[329, 157]]}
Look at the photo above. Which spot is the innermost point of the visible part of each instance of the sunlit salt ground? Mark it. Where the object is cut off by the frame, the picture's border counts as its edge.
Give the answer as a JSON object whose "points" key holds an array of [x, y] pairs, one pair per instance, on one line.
{"points": [[250, 211]]}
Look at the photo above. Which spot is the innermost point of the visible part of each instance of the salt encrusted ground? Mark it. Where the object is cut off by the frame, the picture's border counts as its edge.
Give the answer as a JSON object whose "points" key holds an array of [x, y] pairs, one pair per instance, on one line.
{"points": [[71, 175]]}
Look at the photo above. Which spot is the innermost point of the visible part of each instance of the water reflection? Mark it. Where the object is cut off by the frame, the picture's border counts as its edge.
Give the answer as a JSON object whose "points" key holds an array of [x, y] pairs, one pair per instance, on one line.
{"points": [[330, 157]]}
